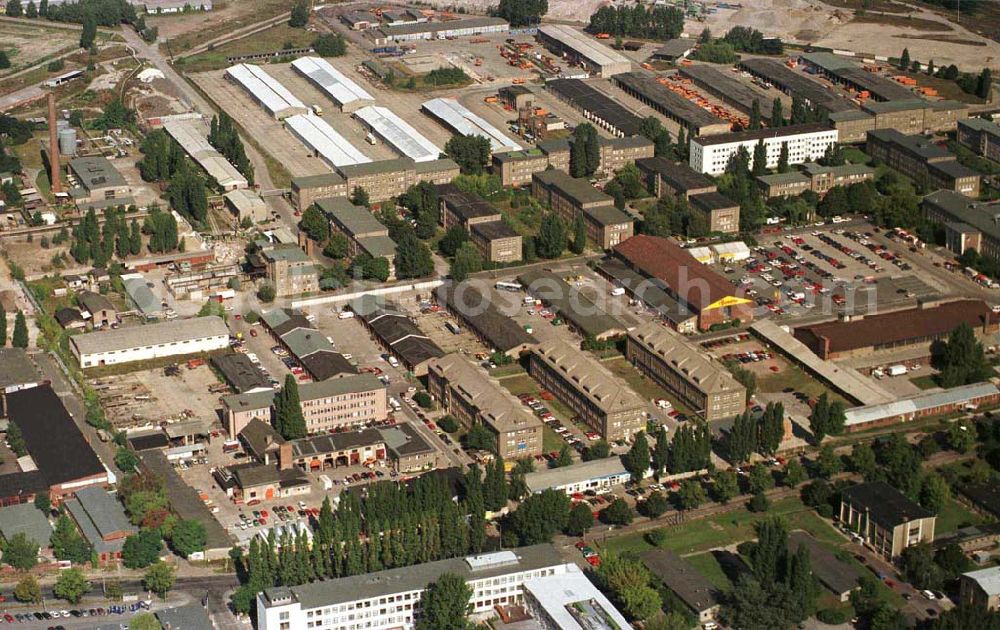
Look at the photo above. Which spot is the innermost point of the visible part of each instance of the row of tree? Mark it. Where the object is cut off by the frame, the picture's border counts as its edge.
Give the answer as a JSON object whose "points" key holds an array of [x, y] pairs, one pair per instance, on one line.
{"points": [[101, 244], [224, 136], [660, 23]]}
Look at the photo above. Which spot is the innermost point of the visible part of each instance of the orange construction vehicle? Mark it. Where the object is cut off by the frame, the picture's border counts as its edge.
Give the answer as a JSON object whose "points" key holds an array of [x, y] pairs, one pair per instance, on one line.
{"points": [[603, 36], [492, 98]]}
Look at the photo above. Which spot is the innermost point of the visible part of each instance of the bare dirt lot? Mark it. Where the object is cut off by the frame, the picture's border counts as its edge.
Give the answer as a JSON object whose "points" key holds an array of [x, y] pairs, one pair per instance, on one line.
{"points": [[28, 44], [149, 397]]}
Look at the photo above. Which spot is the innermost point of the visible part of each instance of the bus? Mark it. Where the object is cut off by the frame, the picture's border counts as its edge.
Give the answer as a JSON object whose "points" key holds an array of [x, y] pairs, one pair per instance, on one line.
{"points": [[508, 286]]}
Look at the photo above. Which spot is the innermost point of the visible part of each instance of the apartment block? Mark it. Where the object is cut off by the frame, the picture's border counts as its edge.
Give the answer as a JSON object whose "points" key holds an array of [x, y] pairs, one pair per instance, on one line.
{"points": [[364, 232], [602, 401], [516, 168], [980, 135], [330, 404], [968, 223], [815, 177], [920, 159], [382, 180], [308, 189], [805, 143], [886, 520], [568, 197], [495, 240], [472, 398], [700, 382]]}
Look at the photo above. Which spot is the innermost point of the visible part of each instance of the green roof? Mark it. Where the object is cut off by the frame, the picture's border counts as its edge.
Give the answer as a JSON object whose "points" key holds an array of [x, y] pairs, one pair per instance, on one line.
{"points": [[290, 254], [378, 246], [577, 189], [375, 168], [354, 219]]}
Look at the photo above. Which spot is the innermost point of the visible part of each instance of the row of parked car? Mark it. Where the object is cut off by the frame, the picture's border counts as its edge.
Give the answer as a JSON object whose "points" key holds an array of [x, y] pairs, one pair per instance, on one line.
{"points": [[117, 609]]}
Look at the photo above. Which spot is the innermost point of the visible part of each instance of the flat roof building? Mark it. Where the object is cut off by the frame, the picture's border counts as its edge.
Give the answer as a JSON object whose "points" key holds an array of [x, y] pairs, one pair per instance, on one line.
{"points": [[364, 232], [470, 26], [887, 520], [290, 270], [652, 292], [713, 298], [247, 205], [968, 223], [597, 58], [495, 579], [804, 143], [597, 475], [473, 398], [151, 341], [919, 158], [730, 90], [578, 309], [601, 400], [98, 181], [17, 371], [815, 177], [796, 83], [923, 405], [571, 602], [981, 136], [684, 370]]}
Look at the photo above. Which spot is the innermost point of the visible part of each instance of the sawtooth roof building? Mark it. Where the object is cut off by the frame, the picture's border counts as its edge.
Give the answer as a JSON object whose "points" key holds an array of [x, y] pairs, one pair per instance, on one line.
{"points": [[396, 333]]}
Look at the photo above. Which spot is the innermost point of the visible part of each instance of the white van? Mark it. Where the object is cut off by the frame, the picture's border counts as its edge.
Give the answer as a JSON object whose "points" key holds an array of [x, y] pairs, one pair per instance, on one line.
{"points": [[394, 404], [529, 301], [326, 481], [345, 315], [393, 361], [618, 291]]}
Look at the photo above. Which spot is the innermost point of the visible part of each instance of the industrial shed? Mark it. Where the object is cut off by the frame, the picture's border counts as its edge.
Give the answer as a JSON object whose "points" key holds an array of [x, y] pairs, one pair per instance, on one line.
{"points": [[272, 95], [398, 133], [324, 141], [456, 117]]}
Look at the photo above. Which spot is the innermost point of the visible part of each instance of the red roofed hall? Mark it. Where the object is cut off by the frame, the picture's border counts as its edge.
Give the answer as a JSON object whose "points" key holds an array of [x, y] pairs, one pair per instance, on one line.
{"points": [[713, 298], [923, 325]]}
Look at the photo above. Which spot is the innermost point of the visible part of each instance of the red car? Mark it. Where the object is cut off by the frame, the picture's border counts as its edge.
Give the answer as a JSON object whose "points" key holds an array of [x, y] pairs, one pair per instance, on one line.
{"points": [[253, 333], [264, 513]]}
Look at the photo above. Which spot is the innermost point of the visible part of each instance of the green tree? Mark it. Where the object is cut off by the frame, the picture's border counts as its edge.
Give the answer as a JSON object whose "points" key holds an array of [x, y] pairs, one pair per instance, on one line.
{"points": [[759, 163], [618, 513], [539, 517], [579, 243], [32, 10], [159, 578], [330, 45], [16, 440], [551, 240], [28, 590], [961, 436], [777, 117], [187, 537], [691, 494], [300, 14], [828, 463], [580, 520], [495, 485], [795, 473], [142, 549], [289, 421], [637, 459], [660, 455], [19, 552], [71, 585], [20, 337], [783, 159], [3, 327], [43, 503], [760, 479], [337, 247], [452, 240], [755, 117], [962, 360], [564, 459], [445, 604], [584, 151], [904, 59], [126, 460], [413, 258], [67, 543], [14, 8], [468, 260], [359, 197], [984, 84], [629, 583], [819, 418], [725, 485], [934, 492], [89, 32], [655, 505], [471, 153], [315, 224], [741, 441]]}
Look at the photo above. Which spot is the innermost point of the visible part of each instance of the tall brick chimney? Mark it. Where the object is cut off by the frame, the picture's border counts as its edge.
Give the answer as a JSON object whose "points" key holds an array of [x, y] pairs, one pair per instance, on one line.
{"points": [[53, 146]]}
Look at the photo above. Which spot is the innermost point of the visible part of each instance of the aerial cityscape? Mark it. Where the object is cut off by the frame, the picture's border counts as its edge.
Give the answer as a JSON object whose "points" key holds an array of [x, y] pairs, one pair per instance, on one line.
{"points": [[499, 315]]}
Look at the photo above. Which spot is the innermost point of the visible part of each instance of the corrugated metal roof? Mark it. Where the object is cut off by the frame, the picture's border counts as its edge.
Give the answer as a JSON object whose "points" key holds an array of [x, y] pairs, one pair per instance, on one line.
{"points": [[319, 136], [457, 117], [572, 38], [335, 83], [273, 95], [145, 301], [920, 402], [187, 134], [398, 133]]}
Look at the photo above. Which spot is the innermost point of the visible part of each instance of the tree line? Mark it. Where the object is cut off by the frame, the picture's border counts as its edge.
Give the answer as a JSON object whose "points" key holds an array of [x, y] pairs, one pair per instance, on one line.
{"points": [[660, 23], [224, 136], [101, 244]]}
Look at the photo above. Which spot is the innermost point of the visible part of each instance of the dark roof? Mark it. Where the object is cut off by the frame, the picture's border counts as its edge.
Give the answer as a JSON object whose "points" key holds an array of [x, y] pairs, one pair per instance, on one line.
{"points": [[712, 201], [678, 175], [916, 145], [897, 326], [67, 316], [953, 169], [22, 483], [190, 617], [16, 368], [493, 230], [684, 580], [482, 316], [879, 86], [976, 213], [646, 84], [325, 364], [986, 496], [396, 330], [649, 290], [760, 134], [260, 436], [403, 440], [240, 372], [662, 258], [145, 442], [597, 103], [674, 48], [796, 82], [54, 441], [184, 500], [250, 475], [578, 309], [725, 86], [289, 319], [94, 302], [887, 506], [577, 189], [837, 575], [466, 205]]}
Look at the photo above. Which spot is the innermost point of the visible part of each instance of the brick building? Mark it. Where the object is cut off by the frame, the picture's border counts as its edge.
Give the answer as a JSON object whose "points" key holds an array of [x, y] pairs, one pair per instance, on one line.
{"points": [[920, 159], [568, 197]]}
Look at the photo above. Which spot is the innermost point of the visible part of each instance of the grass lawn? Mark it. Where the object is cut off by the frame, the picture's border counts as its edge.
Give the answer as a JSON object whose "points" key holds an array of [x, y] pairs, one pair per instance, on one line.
{"points": [[708, 566], [524, 384], [924, 382], [551, 440], [796, 378], [718, 531], [643, 386], [856, 156], [953, 516], [278, 37]]}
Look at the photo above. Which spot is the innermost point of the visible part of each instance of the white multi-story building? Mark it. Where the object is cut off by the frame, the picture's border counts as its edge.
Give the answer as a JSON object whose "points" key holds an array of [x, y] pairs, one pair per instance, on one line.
{"points": [[152, 341], [570, 602], [391, 599], [806, 143]]}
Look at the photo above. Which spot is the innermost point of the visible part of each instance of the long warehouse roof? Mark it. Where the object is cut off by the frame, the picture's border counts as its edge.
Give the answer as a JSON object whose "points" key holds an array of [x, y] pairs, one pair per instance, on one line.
{"points": [[275, 96], [399, 133], [319, 136], [572, 38], [459, 118], [196, 145], [335, 83]]}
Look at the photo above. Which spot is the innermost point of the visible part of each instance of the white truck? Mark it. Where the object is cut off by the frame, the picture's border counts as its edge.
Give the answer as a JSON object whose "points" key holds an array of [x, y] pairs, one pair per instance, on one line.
{"points": [[897, 370]]}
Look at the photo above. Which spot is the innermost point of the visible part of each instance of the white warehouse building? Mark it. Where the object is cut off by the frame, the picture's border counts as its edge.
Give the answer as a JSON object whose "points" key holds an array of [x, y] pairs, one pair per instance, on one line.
{"points": [[391, 598], [806, 143], [152, 341], [341, 89], [266, 90]]}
